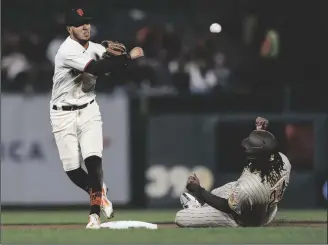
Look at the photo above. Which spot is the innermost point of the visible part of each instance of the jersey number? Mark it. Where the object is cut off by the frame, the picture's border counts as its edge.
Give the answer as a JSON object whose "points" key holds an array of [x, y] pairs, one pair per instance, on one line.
{"points": [[277, 194]]}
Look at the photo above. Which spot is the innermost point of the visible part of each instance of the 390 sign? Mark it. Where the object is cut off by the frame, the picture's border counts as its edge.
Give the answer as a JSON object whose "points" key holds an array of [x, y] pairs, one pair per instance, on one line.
{"points": [[171, 181]]}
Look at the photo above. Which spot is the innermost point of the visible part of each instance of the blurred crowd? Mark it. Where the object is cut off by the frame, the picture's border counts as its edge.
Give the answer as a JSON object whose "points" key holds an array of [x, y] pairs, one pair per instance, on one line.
{"points": [[181, 53]]}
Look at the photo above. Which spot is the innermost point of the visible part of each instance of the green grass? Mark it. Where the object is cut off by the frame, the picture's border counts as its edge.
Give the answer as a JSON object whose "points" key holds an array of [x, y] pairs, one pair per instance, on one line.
{"points": [[141, 236], [223, 235]]}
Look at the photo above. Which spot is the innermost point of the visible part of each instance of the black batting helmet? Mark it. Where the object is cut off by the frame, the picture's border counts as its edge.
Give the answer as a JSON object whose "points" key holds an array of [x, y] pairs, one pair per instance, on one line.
{"points": [[260, 141]]}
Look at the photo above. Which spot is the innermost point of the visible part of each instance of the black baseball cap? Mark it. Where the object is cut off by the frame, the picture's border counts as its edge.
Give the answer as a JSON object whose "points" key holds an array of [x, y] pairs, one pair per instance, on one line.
{"points": [[77, 17]]}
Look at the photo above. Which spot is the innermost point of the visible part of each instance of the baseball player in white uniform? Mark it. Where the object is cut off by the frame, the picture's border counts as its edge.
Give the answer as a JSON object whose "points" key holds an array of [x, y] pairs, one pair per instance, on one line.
{"points": [[252, 200], [74, 113]]}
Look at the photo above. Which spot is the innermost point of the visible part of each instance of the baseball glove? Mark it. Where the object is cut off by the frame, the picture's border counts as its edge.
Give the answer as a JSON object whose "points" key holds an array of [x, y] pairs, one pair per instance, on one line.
{"points": [[113, 48]]}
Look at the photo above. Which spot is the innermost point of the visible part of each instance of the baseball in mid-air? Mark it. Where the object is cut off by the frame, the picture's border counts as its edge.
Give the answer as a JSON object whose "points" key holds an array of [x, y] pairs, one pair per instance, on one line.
{"points": [[215, 28]]}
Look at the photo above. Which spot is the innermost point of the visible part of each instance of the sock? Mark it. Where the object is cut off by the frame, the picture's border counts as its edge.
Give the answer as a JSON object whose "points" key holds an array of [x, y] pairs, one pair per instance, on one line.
{"points": [[80, 178], [95, 181]]}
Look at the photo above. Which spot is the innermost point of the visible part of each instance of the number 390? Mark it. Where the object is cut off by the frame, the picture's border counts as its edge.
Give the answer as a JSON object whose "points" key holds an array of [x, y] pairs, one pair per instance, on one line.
{"points": [[164, 181]]}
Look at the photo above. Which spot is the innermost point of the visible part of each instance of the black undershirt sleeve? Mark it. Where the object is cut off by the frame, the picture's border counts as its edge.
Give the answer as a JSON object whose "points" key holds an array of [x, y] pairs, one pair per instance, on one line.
{"points": [[104, 66], [214, 201]]}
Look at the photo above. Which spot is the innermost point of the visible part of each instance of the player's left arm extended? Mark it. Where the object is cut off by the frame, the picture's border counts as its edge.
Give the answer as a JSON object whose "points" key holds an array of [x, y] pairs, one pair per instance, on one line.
{"points": [[214, 201]]}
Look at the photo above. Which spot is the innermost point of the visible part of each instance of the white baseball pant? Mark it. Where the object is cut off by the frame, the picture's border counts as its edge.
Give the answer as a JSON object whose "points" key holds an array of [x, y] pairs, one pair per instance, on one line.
{"points": [[78, 134], [206, 216]]}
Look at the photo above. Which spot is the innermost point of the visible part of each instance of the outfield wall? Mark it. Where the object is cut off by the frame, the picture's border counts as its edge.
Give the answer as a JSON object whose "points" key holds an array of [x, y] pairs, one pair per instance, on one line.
{"points": [[31, 171], [151, 145]]}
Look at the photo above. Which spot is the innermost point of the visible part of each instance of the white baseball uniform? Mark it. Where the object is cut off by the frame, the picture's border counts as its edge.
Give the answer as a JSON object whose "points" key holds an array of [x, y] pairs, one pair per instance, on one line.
{"points": [[254, 201], [78, 133]]}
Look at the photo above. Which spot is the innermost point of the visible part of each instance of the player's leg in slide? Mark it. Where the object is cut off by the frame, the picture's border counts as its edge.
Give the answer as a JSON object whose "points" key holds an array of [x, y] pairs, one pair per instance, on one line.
{"points": [[195, 215], [91, 142], [204, 217]]}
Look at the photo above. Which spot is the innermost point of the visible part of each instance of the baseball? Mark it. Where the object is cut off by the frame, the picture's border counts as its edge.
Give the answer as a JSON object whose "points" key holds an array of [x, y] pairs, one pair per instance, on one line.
{"points": [[215, 28]]}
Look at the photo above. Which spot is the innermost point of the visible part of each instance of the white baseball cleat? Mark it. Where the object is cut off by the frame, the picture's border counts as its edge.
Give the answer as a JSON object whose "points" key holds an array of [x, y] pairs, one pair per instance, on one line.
{"points": [[94, 222], [189, 201], [106, 206]]}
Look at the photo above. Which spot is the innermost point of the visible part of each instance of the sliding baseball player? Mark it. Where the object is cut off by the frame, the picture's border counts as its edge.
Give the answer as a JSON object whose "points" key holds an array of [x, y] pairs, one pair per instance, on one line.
{"points": [[252, 200]]}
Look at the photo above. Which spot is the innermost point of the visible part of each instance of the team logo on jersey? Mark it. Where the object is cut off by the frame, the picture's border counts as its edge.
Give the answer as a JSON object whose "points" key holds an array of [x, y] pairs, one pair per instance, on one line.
{"points": [[80, 12]]}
